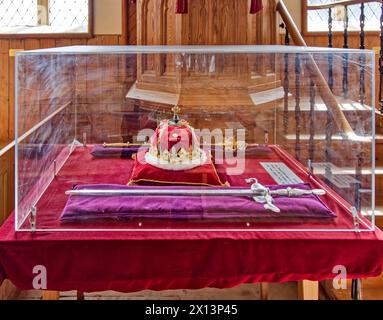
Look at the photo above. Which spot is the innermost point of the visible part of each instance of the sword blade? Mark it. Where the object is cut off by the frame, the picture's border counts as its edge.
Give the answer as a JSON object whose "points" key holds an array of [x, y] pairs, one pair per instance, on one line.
{"points": [[180, 192], [161, 192]]}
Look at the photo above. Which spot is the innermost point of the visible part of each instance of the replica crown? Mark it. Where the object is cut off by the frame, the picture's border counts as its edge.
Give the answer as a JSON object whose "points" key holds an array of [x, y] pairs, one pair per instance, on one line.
{"points": [[175, 146]]}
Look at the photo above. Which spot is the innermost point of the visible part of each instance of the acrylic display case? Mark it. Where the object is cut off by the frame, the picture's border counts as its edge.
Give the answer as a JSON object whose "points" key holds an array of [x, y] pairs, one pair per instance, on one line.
{"points": [[239, 138]]}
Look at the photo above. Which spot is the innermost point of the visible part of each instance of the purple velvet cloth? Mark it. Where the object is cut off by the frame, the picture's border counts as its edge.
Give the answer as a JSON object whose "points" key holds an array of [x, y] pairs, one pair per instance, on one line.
{"points": [[99, 151], [187, 207]]}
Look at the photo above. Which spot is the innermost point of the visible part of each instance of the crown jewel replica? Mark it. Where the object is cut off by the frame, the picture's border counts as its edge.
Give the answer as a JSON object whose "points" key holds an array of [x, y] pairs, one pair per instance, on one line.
{"points": [[175, 146]]}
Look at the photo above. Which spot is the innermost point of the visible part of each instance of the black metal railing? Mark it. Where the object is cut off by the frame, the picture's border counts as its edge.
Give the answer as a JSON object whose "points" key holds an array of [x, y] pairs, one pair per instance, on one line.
{"points": [[330, 122], [312, 125], [381, 62], [345, 56], [298, 70], [286, 82], [362, 42], [329, 129], [329, 117]]}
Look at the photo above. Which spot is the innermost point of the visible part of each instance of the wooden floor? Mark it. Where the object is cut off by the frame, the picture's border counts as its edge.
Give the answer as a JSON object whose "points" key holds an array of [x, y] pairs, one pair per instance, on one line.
{"points": [[286, 291], [372, 290]]}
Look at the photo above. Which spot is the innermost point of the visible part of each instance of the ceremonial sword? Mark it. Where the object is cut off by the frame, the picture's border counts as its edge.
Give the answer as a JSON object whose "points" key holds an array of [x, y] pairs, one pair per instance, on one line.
{"points": [[257, 191]]}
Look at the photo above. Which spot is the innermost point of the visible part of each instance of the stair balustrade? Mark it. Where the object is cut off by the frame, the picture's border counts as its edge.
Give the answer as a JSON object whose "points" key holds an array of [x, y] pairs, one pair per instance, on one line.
{"points": [[326, 88]]}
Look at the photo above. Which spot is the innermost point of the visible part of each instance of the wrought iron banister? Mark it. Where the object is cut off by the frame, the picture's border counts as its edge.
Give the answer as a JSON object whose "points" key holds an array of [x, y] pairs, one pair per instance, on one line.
{"points": [[381, 62], [324, 88], [339, 3], [316, 75], [362, 34]]}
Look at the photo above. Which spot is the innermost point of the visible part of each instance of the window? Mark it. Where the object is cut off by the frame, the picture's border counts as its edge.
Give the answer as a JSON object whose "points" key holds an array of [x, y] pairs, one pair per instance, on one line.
{"points": [[317, 20], [24, 17]]}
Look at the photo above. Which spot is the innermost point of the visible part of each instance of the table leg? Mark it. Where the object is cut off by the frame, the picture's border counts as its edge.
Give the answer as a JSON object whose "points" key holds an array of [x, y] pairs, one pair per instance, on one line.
{"points": [[264, 289], [356, 289], [50, 295], [308, 290], [80, 295]]}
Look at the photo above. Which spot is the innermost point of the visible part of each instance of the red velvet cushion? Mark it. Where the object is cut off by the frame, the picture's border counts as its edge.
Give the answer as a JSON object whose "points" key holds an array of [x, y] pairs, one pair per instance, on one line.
{"points": [[146, 174]]}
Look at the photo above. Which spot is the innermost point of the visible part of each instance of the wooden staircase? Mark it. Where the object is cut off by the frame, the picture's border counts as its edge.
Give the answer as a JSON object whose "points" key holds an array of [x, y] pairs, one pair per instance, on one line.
{"points": [[343, 154], [357, 116]]}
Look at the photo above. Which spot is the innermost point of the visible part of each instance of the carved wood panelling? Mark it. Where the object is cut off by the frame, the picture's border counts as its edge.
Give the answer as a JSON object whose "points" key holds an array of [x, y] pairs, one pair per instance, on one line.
{"points": [[198, 22], [211, 22]]}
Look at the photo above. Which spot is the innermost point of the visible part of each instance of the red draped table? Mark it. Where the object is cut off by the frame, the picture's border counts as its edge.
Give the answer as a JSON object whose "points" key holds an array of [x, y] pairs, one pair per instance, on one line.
{"points": [[123, 261], [131, 261]]}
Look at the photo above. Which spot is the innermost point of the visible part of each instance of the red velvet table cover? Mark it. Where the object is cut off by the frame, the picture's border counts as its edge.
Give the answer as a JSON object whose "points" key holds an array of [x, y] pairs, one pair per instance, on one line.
{"points": [[133, 261]]}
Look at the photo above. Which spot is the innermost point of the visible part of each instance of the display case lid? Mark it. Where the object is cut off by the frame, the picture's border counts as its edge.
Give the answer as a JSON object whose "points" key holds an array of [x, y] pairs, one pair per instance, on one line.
{"points": [[188, 49]]}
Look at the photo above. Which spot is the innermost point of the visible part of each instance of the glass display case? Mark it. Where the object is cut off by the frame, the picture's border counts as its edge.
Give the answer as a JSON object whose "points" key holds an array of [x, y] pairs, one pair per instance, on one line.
{"points": [[231, 138]]}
